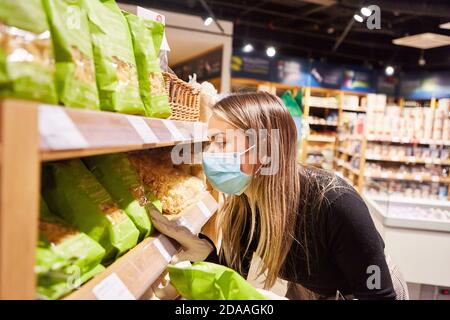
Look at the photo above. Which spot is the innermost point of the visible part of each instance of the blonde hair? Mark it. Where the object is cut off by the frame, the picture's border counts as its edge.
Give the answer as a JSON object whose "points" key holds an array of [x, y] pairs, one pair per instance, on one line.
{"points": [[272, 200]]}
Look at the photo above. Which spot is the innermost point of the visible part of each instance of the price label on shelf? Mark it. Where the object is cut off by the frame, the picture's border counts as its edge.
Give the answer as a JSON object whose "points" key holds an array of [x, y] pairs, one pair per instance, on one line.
{"points": [[400, 176], [143, 129], [418, 177], [112, 288], [395, 158], [428, 160], [411, 159], [395, 139], [159, 245], [57, 129], [385, 175], [437, 161], [204, 209], [435, 178], [174, 131], [181, 221]]}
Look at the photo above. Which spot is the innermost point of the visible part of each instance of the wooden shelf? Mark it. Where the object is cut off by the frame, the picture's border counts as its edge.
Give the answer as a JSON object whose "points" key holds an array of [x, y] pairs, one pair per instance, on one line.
{"points": [[408, 160], [347, 152], [375, 138], [408, 177], [324, 107], [344, 137], [318, 138], [347, 166], [350, 109], [71, 133], [133, 273], [325, 123]]}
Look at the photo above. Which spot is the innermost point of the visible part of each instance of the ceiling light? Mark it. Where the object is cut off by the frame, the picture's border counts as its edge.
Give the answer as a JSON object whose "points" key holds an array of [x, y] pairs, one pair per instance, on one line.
{"points": [[330, 30], [389, 71], [366, 11], [248, 48], [445, 25], [422, 60], [358, 18], [425, 40], [271, 51], [208, 21]]}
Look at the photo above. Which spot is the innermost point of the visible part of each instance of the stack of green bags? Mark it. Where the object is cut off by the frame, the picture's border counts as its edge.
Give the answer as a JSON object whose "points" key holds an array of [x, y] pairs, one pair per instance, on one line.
{"points": [[65, 257], [82, 54], [73, 193]]}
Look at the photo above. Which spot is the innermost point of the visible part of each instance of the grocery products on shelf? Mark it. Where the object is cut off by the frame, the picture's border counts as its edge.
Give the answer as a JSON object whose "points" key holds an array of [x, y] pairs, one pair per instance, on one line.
{"points": [[147, 36], [427, 170], [410, 153], [115, 63], [75, 71], [408, 189], [73, 193], [117, 175], [26, 52], [175, 188], [62, 253]]}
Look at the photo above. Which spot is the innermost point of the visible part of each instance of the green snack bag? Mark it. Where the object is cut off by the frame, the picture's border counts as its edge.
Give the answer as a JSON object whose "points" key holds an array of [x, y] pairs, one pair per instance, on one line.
{"points": [[115, 64], [147, 36], [65, 257], [209, 281], [291, 104], [73, 193], [120, 179], [26, 55], [75, 72]]}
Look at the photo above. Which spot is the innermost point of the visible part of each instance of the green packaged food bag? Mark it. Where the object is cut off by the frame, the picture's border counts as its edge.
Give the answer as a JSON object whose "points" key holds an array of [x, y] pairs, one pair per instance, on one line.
{"points": [[65, 257], [291, 104], [73, 193], [209, 281], [56, 289], [115, 64], [147, 36], [26, 56], [120, 179], [75, 71]]}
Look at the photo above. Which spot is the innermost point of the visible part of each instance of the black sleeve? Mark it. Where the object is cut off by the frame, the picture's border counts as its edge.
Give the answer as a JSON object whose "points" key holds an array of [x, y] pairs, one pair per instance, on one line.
{"points": [[356, 245], [214, 258]]}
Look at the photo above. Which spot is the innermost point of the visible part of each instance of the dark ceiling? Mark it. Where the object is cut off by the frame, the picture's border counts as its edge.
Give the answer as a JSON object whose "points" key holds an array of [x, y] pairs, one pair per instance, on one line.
{"points": [[307, 29]]}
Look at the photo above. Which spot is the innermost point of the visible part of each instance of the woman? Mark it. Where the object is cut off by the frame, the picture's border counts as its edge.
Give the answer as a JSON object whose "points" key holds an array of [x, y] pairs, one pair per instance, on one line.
{"points": [[309, 227]]}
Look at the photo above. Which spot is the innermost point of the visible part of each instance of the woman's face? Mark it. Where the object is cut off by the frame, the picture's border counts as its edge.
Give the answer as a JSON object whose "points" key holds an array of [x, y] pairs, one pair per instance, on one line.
{"points": [[224, 137]]}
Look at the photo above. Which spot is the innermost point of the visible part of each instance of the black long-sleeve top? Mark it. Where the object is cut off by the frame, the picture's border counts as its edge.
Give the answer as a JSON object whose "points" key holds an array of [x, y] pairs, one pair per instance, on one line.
{"points": [[343, 243]]}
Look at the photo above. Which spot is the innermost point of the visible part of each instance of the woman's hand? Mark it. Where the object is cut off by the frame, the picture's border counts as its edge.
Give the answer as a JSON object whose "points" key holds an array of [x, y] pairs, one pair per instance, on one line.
{"points": [[194, 248]]}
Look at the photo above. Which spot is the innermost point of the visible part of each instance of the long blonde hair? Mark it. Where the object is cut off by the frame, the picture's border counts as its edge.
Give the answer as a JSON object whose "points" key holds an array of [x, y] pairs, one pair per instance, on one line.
{"points": [[272, 200]]}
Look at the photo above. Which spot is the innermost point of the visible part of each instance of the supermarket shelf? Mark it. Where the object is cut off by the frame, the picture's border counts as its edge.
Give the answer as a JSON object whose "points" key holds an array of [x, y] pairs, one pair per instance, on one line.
{"points": [[323, 107], [70, 133], [318, 138], [350, 109], [347, 152], [132, 274], [374, 138], [347, 166], [324, 123], [344, 137], [408, 177], [408, 160]]}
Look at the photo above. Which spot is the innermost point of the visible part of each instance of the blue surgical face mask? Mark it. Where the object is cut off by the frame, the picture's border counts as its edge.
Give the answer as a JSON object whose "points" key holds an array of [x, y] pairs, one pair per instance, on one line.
{"points": [[223, 171]]}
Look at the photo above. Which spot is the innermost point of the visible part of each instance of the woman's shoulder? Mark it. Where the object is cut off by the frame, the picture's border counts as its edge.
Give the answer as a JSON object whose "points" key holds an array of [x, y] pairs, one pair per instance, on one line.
{"points": [[324, 186]]}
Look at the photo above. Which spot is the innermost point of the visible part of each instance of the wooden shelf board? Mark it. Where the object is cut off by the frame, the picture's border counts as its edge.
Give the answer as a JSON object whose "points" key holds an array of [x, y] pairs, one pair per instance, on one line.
{"points": [[348, 109], [408, 177], [408, 160], [71, 133], [316, 123], [317, 138], [142, 265]]}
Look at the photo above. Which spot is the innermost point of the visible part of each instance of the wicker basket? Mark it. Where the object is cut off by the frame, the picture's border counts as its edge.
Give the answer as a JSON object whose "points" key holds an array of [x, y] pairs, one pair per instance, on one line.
{"points": [[183, 98]]}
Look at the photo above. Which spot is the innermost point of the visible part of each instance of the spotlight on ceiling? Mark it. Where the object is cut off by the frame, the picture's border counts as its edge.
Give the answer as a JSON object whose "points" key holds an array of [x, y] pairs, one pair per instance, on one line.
{"points": [[248, 48], [389, 71], [366, 11], [208, 21], [422, 60], [358, 18], [271, 51]]}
